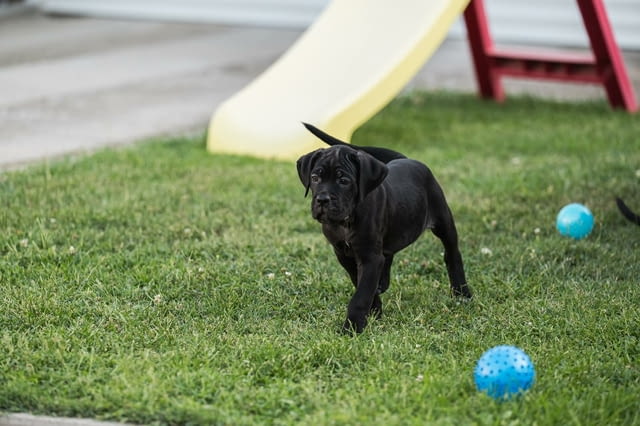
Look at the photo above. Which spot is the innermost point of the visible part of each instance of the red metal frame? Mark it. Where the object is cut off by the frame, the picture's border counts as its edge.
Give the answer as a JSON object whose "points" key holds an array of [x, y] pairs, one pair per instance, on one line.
{"points": [[604, 66]]}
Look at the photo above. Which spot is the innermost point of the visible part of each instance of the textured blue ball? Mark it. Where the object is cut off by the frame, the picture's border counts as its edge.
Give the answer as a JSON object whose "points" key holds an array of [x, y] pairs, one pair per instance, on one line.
{"points": [[503, 372], [574, 220]]}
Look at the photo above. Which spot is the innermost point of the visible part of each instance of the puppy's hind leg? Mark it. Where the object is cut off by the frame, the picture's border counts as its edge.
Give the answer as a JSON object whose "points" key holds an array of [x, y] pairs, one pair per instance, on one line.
{"points": [[445, 230], [385, 278], [383, 285]]}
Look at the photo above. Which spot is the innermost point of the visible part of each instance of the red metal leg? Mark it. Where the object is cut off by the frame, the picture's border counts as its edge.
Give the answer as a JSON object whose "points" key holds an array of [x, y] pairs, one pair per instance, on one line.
{"points": [[605, 66], [608, 59], [481, 45]]}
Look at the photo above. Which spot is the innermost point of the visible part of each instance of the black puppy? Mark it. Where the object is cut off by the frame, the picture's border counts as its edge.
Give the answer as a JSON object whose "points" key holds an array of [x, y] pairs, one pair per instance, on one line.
{"points": [[372, 203], [627, 212]]}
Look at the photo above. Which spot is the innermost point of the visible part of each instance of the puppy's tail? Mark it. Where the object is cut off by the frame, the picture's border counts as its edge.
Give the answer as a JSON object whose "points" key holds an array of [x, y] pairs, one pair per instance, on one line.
{"points": [[326, 138], [383, 154], [626, 212]]}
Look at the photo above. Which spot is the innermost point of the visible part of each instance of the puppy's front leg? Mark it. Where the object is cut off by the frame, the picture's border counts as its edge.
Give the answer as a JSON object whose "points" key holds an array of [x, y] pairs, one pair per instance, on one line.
{"points": [[348, 263], [369, 270]]}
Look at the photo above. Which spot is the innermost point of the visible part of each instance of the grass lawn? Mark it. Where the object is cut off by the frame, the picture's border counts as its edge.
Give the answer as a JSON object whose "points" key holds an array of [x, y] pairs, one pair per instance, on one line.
{"points": [[160, 284]]}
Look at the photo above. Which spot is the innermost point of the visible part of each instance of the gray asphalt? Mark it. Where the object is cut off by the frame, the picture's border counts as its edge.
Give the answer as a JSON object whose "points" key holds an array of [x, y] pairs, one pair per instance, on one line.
{"points": [[74, 85], [21, 419]]}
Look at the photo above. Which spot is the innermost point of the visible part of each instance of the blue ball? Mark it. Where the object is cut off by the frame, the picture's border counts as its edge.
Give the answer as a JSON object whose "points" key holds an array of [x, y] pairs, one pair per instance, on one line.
{"points": [[575, 220], [503, 372]]}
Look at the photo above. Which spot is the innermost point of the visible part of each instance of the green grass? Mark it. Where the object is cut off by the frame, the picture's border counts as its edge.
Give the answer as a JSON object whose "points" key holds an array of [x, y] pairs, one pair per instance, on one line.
{"points": [[160, 284]]}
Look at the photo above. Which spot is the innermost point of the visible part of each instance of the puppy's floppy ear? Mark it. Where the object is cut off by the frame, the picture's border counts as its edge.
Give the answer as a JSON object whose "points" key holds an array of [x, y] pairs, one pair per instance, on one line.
{"points": [[305, 165], [371, 173]]}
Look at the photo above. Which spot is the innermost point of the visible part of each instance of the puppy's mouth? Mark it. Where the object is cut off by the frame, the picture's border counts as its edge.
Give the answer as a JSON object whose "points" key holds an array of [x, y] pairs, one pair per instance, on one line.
{"points": [[329, 214]]}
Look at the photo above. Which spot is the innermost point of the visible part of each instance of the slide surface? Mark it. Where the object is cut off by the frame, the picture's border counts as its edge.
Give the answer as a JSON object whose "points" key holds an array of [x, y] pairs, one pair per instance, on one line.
{"points": [[347, 66]]}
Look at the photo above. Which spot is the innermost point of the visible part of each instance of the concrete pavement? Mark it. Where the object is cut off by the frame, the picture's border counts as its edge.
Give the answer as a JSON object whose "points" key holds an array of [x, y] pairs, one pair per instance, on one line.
{"points": [[73, 85], [21, 419]]}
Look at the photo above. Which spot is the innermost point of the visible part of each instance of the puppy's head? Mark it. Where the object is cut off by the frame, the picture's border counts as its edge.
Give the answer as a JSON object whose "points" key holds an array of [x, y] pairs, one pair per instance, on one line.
{"points": [[339, 178]]}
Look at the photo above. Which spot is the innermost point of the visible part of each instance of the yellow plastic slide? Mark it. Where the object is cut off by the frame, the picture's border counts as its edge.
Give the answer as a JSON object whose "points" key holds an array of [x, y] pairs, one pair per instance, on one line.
{"points": [[347, 66]]}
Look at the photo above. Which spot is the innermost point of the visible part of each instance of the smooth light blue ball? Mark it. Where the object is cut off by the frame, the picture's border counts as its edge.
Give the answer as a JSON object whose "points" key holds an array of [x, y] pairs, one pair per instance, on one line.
{"points": [[575, 220], [503, 372]]}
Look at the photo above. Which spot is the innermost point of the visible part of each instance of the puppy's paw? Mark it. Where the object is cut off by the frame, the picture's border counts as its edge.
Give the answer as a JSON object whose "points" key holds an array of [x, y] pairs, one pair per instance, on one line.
{"points": [[376, 308], [463, 291], [354, 325]]}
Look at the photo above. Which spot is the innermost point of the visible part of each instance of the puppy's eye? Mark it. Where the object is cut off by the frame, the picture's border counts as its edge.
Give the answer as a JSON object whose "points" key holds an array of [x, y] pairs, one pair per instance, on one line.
{"points": [[344, 181], [315, 178]]}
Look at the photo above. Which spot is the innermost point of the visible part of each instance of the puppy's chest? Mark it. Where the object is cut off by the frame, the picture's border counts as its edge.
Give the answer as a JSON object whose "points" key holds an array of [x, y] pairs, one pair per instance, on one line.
{"points": [[340, 238], [344, 247]]}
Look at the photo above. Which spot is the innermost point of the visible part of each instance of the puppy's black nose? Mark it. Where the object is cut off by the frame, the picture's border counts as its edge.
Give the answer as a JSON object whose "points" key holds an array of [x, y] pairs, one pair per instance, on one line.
{"points": [[323, 199]]}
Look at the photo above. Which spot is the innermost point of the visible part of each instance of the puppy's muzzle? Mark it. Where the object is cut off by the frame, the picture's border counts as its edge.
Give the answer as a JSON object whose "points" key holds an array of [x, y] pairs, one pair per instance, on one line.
{"points": [[326, 208], [323, 200]]}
